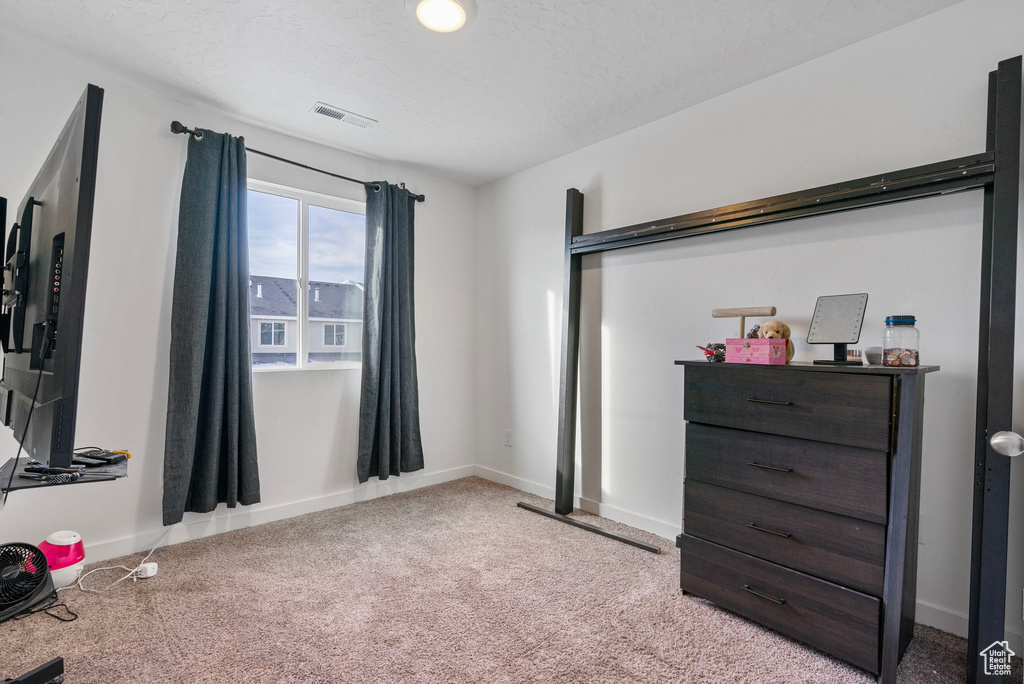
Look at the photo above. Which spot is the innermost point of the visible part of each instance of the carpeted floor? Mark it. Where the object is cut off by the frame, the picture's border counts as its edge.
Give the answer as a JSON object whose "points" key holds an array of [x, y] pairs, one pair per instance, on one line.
{"points": [[451, 583]]}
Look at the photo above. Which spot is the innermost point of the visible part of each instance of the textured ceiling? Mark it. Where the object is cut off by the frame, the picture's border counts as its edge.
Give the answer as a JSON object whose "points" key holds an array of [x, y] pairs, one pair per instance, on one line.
{"points": [[526, 81]]}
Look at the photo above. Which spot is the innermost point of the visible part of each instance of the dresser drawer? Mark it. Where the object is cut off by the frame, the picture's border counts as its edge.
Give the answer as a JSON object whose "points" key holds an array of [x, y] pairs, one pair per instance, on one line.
{"points": [[829, 477], [837, 620], [840, 408], [834, 547]]}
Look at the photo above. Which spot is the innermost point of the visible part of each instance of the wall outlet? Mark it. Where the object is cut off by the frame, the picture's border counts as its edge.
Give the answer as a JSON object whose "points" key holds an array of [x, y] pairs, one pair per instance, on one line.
{"points": [[508, 438]]}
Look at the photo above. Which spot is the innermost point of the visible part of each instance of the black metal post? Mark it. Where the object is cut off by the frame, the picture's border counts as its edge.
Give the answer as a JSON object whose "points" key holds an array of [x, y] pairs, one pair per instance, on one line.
{"points": [[565, 480], [995, 371]]}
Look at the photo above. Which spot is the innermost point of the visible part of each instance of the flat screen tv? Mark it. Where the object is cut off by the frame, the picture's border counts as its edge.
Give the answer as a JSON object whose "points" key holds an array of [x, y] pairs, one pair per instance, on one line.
{"points": [[46, 262]]}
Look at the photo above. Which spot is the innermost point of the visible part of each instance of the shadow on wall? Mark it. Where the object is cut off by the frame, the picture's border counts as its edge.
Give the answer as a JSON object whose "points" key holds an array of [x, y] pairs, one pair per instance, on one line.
{"points": [[591, 383]]}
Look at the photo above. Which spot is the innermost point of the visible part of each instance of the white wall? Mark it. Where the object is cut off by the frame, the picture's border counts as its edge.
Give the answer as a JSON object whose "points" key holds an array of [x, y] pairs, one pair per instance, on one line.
{"points": [[306, 420], [913, 95]]}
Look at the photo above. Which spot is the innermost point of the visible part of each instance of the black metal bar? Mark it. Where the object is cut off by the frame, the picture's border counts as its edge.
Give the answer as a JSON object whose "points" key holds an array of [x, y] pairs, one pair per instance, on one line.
{"points": [[591, 528], [989, 555], [951, 169], [178, 127], [565, 480], [48, 673], [373, 186], [868, 184], [954, 175]]}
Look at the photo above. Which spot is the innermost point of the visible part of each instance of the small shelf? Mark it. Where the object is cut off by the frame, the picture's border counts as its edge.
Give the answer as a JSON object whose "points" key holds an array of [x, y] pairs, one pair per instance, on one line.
{"points": [[109, 473]]}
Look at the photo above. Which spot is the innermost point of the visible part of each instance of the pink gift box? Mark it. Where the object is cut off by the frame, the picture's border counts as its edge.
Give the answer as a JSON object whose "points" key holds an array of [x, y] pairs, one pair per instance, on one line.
{"points": [[756, 351]]}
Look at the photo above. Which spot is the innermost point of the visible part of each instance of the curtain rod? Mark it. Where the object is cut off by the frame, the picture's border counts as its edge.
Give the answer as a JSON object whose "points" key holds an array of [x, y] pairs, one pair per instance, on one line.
{"points": [[178, 127]]}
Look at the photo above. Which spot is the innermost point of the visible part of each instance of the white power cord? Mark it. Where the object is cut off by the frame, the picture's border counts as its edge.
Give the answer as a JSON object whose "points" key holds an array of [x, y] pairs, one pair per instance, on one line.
{"points": [[143, 570]]}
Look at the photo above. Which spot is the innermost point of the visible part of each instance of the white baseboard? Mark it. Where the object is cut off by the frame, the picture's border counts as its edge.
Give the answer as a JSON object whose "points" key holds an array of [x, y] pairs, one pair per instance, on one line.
{"points": [[196, 525], [519, 483], [942, 618], [626, 517], [927, 614], [955, 622]]}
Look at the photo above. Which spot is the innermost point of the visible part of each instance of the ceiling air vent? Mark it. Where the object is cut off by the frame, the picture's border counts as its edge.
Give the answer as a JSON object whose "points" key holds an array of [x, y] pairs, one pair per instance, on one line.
{"points": [[342, 115]]}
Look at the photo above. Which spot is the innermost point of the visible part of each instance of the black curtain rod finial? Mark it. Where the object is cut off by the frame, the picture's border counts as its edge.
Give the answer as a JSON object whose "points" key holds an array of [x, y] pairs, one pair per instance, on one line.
{"points": [[178, 127]]}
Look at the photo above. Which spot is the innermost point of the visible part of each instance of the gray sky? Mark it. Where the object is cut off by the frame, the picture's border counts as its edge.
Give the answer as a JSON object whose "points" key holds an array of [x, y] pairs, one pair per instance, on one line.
{"points": [[337, 240]]}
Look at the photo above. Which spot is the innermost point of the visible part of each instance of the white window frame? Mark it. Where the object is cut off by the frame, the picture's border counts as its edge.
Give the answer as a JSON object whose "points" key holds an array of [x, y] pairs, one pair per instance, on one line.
{"points": [[284, 334], [304, 199], [334, 334]]}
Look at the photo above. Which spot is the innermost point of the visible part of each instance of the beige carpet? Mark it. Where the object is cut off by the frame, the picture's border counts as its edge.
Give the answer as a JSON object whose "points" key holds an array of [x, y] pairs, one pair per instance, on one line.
{"points": [[451, 583]]}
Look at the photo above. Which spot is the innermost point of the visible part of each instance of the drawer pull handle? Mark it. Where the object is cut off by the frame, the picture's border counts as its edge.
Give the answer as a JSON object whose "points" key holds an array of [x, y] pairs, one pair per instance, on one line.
{"points": [[752, 526], [776, 601], [769, 401], [768, 467]]}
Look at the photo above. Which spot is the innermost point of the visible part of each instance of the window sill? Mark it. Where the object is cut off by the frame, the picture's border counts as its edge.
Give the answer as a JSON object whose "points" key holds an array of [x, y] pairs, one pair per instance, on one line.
{"points": [[344, 365]]}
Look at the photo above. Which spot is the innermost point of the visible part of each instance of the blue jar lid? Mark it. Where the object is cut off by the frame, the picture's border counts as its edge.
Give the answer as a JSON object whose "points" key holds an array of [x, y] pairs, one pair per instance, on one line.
{"points": [[900, 320]]}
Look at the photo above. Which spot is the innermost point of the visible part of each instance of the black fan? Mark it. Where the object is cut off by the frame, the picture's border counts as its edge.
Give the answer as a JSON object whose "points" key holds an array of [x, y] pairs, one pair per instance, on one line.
{"points": [[25, 580]]}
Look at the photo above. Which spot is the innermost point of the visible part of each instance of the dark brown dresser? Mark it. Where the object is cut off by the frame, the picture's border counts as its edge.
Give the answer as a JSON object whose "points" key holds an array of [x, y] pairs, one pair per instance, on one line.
{"points": [[801, 501]]}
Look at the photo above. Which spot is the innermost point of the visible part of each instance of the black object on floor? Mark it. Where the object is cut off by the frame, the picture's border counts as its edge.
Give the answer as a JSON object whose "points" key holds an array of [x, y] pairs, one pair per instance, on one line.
{"points": [[49, 673]]}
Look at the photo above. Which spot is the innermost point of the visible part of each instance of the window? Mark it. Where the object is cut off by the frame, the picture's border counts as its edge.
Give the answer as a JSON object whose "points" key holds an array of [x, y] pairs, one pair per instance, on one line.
{"points": [[272, 334], [306, 254], [334, 334]]}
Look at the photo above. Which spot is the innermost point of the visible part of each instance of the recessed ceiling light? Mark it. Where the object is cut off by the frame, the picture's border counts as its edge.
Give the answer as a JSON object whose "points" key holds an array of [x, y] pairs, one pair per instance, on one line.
{"points": [[444, 16]]}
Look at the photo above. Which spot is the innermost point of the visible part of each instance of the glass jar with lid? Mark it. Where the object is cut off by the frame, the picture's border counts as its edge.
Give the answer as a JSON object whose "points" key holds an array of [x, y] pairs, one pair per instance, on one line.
{"points": [[900, 340]]}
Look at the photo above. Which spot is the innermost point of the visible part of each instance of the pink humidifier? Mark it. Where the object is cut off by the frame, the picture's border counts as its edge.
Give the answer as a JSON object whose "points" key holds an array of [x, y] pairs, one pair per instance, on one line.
{"points": [[65, 555]]}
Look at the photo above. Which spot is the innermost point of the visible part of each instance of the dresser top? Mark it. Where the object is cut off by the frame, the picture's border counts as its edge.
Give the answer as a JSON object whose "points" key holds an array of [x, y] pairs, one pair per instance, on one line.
{"points": [[820, 368]]}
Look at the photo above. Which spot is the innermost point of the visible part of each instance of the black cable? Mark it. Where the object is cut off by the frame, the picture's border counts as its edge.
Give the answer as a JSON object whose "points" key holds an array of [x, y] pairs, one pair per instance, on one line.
{"points": [[47, 608], [28, 421]]}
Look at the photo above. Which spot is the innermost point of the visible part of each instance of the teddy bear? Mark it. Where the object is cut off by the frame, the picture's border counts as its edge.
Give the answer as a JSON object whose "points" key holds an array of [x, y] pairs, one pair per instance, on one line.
{"points": [[777, 330]]}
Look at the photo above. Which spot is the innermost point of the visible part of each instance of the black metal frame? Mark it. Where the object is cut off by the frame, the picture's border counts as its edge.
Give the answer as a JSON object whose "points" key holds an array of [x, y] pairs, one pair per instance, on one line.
{"points": [[995, 369], [996, 171], [47, 673]]}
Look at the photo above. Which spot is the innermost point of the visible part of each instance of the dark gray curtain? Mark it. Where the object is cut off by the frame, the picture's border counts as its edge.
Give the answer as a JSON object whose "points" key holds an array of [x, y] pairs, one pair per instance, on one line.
{"points": [[210, 447], [389, 409]]}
